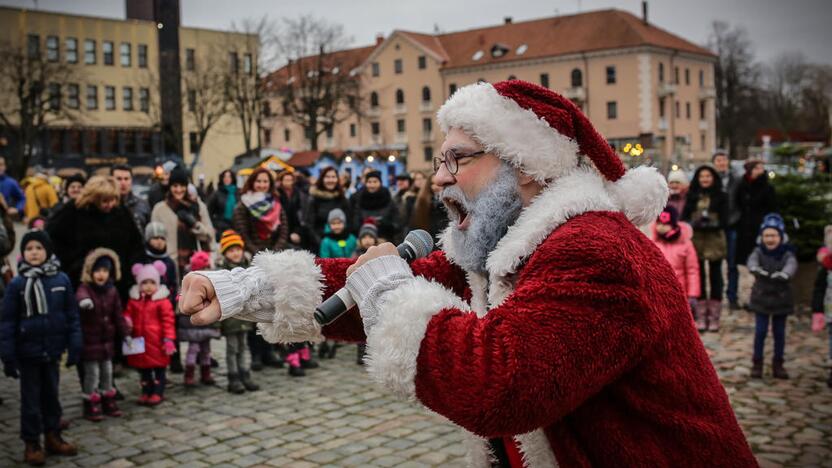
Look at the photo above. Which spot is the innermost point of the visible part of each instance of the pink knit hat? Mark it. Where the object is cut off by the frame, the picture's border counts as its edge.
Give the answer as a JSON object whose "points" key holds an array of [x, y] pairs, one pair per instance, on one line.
{"points": [[152, 272], [200, 260]]}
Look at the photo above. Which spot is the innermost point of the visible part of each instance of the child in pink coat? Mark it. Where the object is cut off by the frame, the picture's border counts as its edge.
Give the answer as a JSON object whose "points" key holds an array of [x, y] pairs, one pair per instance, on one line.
{"points": [[673, 238]]}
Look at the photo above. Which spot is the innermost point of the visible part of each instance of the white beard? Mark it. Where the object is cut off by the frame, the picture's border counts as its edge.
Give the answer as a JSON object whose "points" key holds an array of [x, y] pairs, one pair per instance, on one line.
{"points": [[491, 213]]}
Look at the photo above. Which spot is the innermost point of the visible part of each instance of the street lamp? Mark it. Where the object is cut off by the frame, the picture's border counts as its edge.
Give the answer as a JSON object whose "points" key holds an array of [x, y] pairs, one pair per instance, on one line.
{"points": [[391, 158], [370, 159]]}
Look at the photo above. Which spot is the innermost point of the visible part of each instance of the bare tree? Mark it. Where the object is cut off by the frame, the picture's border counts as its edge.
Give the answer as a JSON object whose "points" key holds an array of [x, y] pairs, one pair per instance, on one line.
{"points": [[31, 90], [319, 85], [205, 100], [786, 77]]}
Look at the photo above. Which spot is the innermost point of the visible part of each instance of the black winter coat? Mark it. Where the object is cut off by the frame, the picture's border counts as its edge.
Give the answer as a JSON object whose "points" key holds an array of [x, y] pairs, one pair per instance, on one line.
{"points": [[755, 199], [379, 206], [317, 211]]}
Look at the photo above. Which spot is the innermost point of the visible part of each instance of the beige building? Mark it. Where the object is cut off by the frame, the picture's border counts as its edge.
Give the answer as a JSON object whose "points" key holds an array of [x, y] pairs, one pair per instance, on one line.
{"points": [[118, 96], [639, 85]]}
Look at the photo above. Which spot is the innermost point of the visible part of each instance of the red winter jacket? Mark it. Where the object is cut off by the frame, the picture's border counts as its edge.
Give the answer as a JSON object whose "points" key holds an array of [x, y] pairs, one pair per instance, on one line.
{"points": [[594, 346], [152, 319]]}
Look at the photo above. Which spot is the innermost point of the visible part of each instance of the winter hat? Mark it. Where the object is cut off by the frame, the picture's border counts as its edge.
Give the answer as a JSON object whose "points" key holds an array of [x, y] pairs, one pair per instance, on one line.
{"points": [[669, 216], [373, 175], [75, 178], [337, 213], [178, 176], [678, 175], [200, 260], [155, 229], [38, 236], [774, 221], [151, 271], [368, 229], [543, 134], [103, 262], [169, 166], [229, 239]]}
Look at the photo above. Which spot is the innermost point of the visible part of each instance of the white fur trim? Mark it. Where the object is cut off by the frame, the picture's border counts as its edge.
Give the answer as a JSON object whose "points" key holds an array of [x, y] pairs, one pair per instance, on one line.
{"points": [[536, 449], [641, 194], [162, 293], [504, 128], [479, 292], [477, 450], [393, 344], [297, 289]]}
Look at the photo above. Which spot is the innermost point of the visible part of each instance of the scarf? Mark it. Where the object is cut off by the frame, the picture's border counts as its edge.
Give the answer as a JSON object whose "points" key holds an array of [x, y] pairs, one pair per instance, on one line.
{"points": [[778, 252], [155, 254], [262, 207], [230, 202], [34, 295]]}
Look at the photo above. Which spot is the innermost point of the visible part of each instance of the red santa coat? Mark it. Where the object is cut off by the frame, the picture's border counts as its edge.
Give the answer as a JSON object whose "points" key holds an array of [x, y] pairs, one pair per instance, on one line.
{"points": [[152, 319], [580, 346]]}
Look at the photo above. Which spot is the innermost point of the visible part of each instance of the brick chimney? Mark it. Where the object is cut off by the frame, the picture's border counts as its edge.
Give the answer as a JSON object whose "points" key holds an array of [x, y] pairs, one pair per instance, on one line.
{"points": [[507, 20], [644, 12], [379, 38]]}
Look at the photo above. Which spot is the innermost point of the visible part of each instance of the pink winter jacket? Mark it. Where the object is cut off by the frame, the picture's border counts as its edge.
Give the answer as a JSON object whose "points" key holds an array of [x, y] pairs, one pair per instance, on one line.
{"points": [[682, 257]]}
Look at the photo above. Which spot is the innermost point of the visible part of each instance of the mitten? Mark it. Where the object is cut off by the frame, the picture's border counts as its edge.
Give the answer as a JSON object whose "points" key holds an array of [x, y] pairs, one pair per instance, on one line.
{"points": [[759, 272], [86, 304], [818, 322], [779, 275], [169, 347]]}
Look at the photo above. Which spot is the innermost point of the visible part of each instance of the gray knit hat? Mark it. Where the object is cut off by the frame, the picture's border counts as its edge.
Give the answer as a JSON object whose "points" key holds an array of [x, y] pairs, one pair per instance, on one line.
{"points": [[155, 229], [369, 228], [337, 213]]}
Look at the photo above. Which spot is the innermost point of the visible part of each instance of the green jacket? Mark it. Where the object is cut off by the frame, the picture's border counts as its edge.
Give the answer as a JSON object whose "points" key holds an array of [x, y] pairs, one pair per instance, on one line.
{"points": [[337, 248], [231, 326]]}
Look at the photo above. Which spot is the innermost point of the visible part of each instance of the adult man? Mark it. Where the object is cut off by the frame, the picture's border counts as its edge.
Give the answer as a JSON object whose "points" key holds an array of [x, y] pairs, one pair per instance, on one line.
{"points": [[138, 207], [577, 347], [159, 189], [730, 182], [404, 199], [11, 191]]}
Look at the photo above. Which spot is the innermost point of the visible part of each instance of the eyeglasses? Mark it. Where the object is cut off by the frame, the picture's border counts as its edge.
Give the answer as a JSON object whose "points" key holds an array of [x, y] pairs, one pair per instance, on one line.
{"points": [[451, 160]]}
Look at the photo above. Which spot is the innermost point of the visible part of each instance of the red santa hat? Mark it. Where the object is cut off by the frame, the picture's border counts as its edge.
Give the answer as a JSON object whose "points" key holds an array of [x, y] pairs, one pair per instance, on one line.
{"points": [[543, 134]]}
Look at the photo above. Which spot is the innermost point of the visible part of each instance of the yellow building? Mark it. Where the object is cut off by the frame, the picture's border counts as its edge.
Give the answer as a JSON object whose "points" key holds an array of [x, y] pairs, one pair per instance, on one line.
{"points": [[120, 99], [636, 82]]}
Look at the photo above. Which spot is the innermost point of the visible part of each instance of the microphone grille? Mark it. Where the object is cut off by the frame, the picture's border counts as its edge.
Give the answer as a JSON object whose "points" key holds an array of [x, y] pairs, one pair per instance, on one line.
{"points": [[421, 241]]}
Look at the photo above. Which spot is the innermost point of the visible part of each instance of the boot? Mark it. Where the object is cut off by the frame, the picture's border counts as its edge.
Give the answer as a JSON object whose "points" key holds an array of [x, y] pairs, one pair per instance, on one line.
{"points": [[176, 362], [214, 363], [359, 359], [56, 445], [235, 386], [777, 369], [295, 369], [205, 377], [306, 358], [757, 369], [33, 454], [92, 408], [332, 350], [189, 381], [271, 359], [701, 315], [108, 404], [256, 362], [247, 382], [714, 312]]}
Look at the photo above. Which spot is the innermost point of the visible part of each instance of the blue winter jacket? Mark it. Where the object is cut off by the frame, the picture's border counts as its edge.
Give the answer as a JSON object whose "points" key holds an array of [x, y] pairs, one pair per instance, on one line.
{"points": [[40, 337], [12, 192]]}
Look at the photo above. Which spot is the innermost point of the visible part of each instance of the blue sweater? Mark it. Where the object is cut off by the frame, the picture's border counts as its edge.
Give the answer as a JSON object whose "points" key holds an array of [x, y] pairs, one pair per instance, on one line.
{"points": [[12, 193]]}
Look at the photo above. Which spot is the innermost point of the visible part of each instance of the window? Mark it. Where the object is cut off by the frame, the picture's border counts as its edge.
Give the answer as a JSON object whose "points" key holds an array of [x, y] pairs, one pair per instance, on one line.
{"points": [[374, 99], [110, 97], [73, 100], [400, 125], [678, 111], [676, 75], [544, 80], [126, 54], [512, 77], [687, 110], [248, 64], [702, 110], [191, 100], [376, 69], [611, 75], [702, 141], [399, 97], [612, 110], [287, 135], [425, 94], [267, 109], [428, 153], [144, 99], [107, 52], [190, 63], [52, 49], [54, 96], [427, 126], [352, 130], [193, 142], [661, 73], [233, 62], [71, 50], [376, 128], [142, 55], [701, 78], [423, 62], [267, 136], [33, 45], [398, 66], [577, 78], [92, 97], [661, 107], [687, 76], [451, 89], [89, 51], [127, 97]]}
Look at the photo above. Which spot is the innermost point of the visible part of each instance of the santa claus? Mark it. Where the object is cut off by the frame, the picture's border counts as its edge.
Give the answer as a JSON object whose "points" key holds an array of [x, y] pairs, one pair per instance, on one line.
{"points": [[548, 327]]}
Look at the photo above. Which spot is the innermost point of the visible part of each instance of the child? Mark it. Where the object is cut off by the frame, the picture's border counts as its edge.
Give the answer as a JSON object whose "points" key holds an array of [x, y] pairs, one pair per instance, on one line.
{"points": [[198, 336], [235, 330], [773, 264], [673, 238], [156, 248], [38, 322], [101, 318], [151, 314], [822, 294], [337, 242], [367, 237]]}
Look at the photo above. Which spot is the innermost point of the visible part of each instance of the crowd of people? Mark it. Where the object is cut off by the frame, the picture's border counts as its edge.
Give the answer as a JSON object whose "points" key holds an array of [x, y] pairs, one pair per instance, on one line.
{"points": [[99, 270]]}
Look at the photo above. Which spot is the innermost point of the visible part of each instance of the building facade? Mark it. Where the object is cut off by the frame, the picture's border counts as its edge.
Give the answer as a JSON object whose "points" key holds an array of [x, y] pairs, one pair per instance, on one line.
{"points": [[641, 86]]}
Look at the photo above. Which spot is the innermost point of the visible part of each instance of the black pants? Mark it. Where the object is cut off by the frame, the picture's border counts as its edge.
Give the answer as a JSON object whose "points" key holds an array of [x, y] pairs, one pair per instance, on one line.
{"points": [[715, 275], [153, 381], [40, 407]]}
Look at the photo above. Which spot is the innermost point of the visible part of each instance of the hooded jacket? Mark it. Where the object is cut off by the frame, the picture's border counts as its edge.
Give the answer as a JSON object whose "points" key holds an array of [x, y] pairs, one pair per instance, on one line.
{"points": [[104, 323], [681, 255]]}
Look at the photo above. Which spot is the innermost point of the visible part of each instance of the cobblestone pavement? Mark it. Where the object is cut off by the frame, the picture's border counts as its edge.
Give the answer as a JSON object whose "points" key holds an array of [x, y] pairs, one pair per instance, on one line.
{"points": [[336, 417]]}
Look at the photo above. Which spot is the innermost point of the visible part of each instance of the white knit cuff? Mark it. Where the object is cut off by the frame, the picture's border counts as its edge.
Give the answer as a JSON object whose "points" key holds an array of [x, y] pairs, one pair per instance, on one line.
{"points": [[367, 284], [234, 289]]}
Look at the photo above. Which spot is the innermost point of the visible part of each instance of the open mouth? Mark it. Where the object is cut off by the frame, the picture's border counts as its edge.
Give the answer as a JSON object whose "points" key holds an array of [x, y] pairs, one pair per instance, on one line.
{"points": [[458, 213]]}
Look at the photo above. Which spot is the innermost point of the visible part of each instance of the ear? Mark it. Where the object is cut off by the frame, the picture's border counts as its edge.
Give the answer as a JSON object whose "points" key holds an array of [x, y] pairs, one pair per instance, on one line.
{"points": [[136, 269], [525, 179], [160, 267]]}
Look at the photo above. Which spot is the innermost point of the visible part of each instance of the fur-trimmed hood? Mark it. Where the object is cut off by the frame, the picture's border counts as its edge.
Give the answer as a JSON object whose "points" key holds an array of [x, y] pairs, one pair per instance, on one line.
{"points": [[162, 293], [92, 257]]}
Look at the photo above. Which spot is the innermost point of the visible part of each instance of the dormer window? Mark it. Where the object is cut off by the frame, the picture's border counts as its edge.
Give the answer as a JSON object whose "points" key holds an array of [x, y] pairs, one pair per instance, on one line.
{"points": [[499, 50], [477, 55], [522, 49]]}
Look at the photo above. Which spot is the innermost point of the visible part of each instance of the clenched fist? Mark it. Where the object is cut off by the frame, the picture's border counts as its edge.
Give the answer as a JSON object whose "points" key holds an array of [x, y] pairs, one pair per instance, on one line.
{"points": [[199, 300]]}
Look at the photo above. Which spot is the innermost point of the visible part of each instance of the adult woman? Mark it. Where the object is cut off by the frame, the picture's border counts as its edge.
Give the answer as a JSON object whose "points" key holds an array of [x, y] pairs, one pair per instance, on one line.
{"points": [[706, 209], [755, 199], [95, 219], [326, 195], [428, 212], [186, 220], [223, 201], [294, 201], [259, 217], [374, 201]]}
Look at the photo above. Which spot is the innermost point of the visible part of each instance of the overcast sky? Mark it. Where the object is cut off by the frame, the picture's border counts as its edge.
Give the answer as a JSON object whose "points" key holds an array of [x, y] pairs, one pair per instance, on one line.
{"points": [[775, 26]]}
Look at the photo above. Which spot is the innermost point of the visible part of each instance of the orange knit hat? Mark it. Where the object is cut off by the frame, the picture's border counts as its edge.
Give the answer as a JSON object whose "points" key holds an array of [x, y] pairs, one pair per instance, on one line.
{"points": [[229, 239]]}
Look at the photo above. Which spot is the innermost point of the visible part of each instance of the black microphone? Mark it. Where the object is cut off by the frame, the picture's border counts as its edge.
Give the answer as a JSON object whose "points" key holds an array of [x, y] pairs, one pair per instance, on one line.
{"points": [[417, 244]]}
